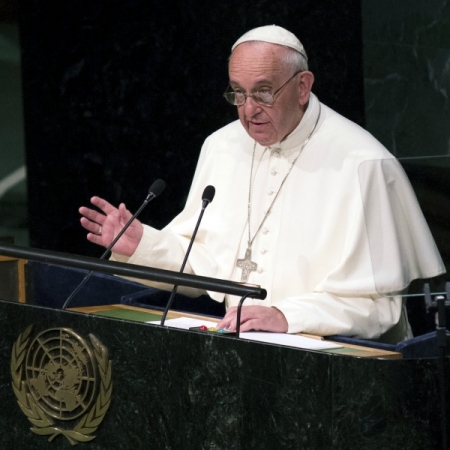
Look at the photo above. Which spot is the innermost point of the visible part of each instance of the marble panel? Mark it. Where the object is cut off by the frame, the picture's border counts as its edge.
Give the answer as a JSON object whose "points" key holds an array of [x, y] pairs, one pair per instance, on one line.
{"points": [[385, 404], [406, 77], [182, 389], [407, 87], [121, 93]]}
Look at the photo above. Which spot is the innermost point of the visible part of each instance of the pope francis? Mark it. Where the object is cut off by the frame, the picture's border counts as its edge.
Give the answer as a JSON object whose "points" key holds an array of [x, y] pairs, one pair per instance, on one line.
{"points": [[308, 205]]}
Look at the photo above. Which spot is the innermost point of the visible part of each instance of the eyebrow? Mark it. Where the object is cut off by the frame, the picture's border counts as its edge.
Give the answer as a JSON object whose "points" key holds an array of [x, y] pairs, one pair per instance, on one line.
{"points": [[258, 83]]}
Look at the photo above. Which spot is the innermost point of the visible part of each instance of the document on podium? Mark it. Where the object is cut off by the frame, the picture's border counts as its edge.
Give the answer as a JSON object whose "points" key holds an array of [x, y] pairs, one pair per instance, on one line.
{"points": [[291, 340]]}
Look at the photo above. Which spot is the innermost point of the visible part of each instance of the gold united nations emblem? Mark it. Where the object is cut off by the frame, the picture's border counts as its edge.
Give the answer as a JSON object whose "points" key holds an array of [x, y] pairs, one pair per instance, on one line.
{"points": [[62, 383]]}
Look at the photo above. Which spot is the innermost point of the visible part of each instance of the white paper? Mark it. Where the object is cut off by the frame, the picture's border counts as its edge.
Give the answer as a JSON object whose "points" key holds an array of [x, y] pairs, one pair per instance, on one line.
{"points": [[292, 340], [185, 323]]}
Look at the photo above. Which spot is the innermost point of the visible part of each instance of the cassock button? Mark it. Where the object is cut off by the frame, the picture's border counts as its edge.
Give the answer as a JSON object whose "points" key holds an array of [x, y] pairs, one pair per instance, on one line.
{"points": [[269, 192], [260, 271], [273, 172], [265, 231], [263, 250]]}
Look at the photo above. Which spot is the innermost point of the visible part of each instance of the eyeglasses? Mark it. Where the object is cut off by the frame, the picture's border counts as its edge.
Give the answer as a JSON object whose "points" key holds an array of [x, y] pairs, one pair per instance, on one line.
{"points": [[265, 98]]}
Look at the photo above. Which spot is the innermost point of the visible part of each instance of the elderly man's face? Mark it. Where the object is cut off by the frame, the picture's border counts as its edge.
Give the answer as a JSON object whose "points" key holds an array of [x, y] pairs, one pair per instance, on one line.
{"points": [[259, 67]]}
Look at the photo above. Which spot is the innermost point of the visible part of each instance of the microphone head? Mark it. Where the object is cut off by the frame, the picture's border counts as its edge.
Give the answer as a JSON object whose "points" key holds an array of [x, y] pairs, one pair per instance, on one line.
{"points": [[157, 187], [208, 195]]}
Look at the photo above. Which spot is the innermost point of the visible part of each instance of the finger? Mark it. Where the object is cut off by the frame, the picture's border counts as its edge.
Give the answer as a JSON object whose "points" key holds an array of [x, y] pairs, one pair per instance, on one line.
{"points": [[248, 325], [245, 317], [225, 322], [97, 239], [92, 215], [93, 227], [256, 324], [233, 323], [125, 215], [102, 204]]}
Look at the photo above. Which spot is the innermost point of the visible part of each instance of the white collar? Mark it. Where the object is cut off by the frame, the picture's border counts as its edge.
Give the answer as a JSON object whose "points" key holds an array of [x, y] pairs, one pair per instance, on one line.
{"points": [[303, 129]]}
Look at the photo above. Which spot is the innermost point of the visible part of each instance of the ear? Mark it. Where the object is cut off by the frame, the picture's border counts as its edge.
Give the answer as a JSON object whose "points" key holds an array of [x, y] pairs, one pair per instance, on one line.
{"points": [[305, 86]]}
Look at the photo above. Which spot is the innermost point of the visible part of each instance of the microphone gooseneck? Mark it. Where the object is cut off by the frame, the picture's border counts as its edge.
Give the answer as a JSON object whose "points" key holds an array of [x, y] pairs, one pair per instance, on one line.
{"points": [[155, 189], [207, 198]]}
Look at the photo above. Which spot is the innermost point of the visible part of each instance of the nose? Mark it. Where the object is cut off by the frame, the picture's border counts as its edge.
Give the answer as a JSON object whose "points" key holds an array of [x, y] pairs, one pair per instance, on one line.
{"points": [[251, 108]]}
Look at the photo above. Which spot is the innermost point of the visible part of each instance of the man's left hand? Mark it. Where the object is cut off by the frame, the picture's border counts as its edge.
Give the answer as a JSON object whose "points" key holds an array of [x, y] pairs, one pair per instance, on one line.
{"points": [[255, 318]]}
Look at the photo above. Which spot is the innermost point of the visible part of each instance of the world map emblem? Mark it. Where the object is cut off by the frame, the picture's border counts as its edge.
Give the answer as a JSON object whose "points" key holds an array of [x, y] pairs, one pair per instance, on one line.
{"points": [[62, 382]]}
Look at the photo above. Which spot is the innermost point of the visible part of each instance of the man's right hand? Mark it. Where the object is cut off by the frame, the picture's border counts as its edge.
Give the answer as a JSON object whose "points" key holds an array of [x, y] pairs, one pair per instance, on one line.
{"points": [[104, 226]]}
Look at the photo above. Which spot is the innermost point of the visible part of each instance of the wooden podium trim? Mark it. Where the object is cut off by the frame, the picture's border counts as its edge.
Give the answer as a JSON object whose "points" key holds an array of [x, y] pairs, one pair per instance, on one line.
{"points": [[20, 276], [345, 349]]}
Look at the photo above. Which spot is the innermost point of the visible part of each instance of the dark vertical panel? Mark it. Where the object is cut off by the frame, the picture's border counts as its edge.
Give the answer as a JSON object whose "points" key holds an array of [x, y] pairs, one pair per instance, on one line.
{"points": [[406, 68], [120, 93]]}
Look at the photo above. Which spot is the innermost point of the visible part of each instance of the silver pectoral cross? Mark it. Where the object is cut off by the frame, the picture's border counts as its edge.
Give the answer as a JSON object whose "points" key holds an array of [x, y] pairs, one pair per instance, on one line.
{"points": [[247, 265]]}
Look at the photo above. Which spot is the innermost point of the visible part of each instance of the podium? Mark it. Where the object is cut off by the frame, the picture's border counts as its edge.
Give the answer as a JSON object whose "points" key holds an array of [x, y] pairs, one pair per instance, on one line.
{"points": [[182, 389]]}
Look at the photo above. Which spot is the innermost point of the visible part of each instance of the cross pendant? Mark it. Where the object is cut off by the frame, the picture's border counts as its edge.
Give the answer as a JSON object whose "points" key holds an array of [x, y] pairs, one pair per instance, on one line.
{"points": [[247, 265]]}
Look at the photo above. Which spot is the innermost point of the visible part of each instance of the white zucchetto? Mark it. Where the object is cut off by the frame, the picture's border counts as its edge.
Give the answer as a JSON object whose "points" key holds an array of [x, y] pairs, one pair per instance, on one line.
{"points": [[272, 34]]}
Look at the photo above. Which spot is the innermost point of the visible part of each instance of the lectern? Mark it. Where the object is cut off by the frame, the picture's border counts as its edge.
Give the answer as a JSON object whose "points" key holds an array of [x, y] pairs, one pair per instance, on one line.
{"points": [[136, 385]]}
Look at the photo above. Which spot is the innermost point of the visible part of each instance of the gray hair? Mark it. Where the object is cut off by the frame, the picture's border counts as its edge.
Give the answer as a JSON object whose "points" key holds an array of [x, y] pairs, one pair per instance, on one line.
{"points": [[295, 60]]}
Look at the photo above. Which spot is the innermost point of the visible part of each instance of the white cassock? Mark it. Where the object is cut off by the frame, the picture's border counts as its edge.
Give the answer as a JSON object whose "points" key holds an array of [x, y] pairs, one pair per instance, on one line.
{"points": [[344, 231]]}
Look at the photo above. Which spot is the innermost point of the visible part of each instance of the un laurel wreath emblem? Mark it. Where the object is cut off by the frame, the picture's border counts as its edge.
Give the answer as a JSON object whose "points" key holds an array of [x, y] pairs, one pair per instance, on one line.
{"points": [[62, 384]]}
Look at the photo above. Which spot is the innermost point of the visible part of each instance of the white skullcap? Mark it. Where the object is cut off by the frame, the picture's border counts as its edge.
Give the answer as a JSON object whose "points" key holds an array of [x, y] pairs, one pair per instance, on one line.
{"points": [[272, 34]]}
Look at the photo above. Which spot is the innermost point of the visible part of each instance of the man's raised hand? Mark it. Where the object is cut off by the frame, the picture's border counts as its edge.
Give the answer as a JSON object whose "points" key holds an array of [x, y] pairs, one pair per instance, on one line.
{"points": [[104, 226]]}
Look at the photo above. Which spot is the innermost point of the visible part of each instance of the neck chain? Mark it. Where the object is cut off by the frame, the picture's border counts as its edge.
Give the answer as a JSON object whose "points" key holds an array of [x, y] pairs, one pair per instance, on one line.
{"points": [[246, 264]]}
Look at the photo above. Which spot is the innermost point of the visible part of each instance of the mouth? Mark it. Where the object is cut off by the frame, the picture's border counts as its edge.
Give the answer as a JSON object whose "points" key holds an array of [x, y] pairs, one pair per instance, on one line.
{"points": [[257, 125]]}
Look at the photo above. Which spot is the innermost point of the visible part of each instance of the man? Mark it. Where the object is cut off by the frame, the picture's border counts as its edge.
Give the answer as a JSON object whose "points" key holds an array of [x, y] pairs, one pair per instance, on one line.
{"points": [[297, 208]]}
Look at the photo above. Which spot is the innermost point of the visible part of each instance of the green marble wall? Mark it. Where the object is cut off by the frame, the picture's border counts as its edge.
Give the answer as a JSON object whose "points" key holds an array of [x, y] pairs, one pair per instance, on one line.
{"points": [[406, 54], [406, 48]]}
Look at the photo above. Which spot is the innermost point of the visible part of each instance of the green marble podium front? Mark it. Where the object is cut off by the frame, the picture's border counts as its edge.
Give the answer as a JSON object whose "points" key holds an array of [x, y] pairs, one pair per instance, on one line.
{"points": [[176, 389]]}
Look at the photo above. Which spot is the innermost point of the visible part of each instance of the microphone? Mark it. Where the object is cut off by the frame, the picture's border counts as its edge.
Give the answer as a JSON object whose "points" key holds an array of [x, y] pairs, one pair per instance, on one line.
{"points": [[155, 189], [208, 195], [207, 198]]}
